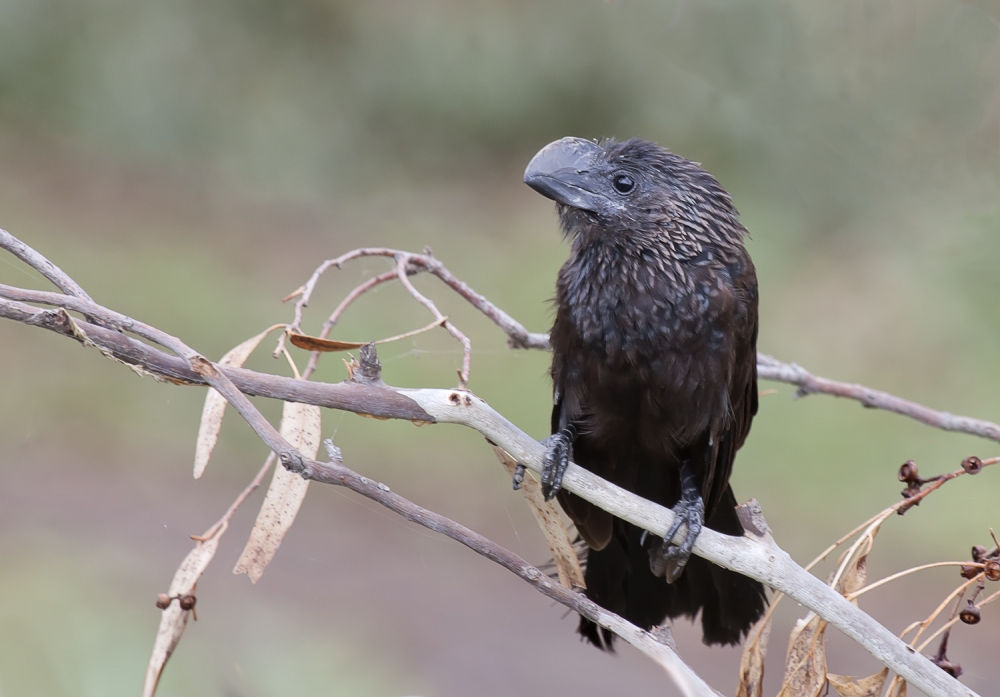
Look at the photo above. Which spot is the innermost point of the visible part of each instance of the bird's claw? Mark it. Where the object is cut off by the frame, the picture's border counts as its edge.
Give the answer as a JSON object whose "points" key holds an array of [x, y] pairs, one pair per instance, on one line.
{"points": [[518, 476], [690, 512], [558, 452]]}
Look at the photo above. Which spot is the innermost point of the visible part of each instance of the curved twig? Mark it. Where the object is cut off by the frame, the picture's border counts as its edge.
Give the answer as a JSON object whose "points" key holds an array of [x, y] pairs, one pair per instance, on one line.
{"points": [[42, 265]]}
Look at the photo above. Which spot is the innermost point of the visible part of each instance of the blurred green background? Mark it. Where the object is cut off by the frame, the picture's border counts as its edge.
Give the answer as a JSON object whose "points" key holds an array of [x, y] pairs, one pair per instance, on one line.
{"points": [[190, 163]]}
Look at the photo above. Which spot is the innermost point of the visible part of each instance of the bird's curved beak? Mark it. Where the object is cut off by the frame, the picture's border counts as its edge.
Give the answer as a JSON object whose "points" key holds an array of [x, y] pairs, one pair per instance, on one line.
{"points": [[563, 172]]}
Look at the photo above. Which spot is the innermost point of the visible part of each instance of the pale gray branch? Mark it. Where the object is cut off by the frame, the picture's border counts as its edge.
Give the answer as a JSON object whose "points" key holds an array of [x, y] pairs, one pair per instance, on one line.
{"points": [[335, 472], [756, 557]]}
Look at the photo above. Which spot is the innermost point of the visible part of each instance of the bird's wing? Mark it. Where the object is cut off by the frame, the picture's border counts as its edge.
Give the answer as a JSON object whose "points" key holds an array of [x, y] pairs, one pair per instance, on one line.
{"points": [[594, 524], [743, 397]]}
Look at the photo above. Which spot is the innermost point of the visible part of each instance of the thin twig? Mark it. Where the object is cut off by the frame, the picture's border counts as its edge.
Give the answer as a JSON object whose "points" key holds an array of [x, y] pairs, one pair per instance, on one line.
{"points": [[227, 516], [336, 473], [907, 572], [948, 625], [921, 626], [335, 315], [463, 374], [769, 368], [42, 265]]}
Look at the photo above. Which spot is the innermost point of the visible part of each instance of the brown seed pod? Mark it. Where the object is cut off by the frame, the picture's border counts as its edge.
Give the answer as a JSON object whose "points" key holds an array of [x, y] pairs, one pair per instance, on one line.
{"points": [[970, 615], [969, 571], [163, 601], [992, 570], [952, 669], [187, 602], [908, 472], [972, 465], [978, 552]]}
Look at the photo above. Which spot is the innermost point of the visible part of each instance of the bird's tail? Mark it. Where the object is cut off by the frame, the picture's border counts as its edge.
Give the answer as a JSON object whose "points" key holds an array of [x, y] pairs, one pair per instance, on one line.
{"points": [[619, 579]]}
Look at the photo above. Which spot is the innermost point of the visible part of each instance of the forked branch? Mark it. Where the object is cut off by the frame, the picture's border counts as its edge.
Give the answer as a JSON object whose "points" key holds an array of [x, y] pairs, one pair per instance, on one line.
{"points": [[768, 367]]}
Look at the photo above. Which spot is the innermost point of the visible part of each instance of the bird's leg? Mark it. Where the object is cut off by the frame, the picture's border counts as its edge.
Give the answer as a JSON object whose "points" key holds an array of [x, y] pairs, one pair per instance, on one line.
{"points": [[689, 511], [558, 453], [518, 476]]}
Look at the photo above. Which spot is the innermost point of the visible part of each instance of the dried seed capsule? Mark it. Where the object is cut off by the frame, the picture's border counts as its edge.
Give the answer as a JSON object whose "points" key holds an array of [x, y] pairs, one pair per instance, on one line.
{"points": [[978, 552], [970, 615], [952, 669], [992, 570], [163, 601], [972, 465], [187, 602], [908, 471], [969, 571]]}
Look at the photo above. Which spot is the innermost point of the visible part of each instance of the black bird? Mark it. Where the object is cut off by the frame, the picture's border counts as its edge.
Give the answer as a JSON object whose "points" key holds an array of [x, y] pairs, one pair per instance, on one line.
{"points": [[654, 371]]}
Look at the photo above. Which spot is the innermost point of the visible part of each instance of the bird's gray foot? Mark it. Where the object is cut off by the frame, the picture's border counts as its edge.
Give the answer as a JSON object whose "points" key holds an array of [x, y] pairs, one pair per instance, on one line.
{"points": [[689, 512], [558, 452], [518, 476], [670, 559]]}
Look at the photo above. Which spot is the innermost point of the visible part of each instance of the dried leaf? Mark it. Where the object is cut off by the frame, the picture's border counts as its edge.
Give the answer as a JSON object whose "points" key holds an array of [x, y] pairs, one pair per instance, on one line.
{"points": [[858, 687], [215, 406], [314, 343], [300, 425], [752, 661], [174, 618], [853, 574], [548, 519], [805, 664]]}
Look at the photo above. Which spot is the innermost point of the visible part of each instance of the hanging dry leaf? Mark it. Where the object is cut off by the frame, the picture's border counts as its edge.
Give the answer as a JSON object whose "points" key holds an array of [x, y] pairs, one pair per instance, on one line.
{"points": [[174, 618], [300, 425], [855, 574], [215, 405], [752, 661], [315, 343], [858, 687], [805, 664], [548, 519]]}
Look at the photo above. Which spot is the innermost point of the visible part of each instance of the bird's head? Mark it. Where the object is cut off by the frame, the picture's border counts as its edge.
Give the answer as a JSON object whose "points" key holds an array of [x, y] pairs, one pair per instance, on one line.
{"points": [[632, 187]]}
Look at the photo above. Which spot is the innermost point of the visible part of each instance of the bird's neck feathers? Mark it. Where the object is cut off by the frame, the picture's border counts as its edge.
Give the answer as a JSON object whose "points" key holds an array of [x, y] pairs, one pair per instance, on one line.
{"points": [[667, 238]]}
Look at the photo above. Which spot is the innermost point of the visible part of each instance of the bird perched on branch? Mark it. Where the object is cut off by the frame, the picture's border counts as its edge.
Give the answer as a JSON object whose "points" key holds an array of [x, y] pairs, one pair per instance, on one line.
{"points": [[655, 374]]}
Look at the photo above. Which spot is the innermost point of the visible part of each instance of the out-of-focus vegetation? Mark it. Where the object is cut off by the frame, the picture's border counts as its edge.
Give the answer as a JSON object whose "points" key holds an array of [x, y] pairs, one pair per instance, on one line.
{"points": [[191, 162]]}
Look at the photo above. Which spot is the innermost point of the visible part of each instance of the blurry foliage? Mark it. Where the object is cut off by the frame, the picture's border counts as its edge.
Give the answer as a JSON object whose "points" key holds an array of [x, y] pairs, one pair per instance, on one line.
{"points": [[302, 94], [71, 634]]}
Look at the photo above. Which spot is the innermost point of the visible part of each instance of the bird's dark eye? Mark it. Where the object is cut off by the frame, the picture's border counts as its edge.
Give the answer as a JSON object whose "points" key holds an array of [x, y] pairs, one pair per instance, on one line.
{"points": [[623, 183]]}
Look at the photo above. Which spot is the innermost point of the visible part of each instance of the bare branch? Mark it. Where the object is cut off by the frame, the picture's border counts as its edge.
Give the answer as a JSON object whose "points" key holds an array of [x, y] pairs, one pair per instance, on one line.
{"points": [[518, 336], [769, 368], [182, 588], [336, 473], [463, 374], [42, 265]]}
